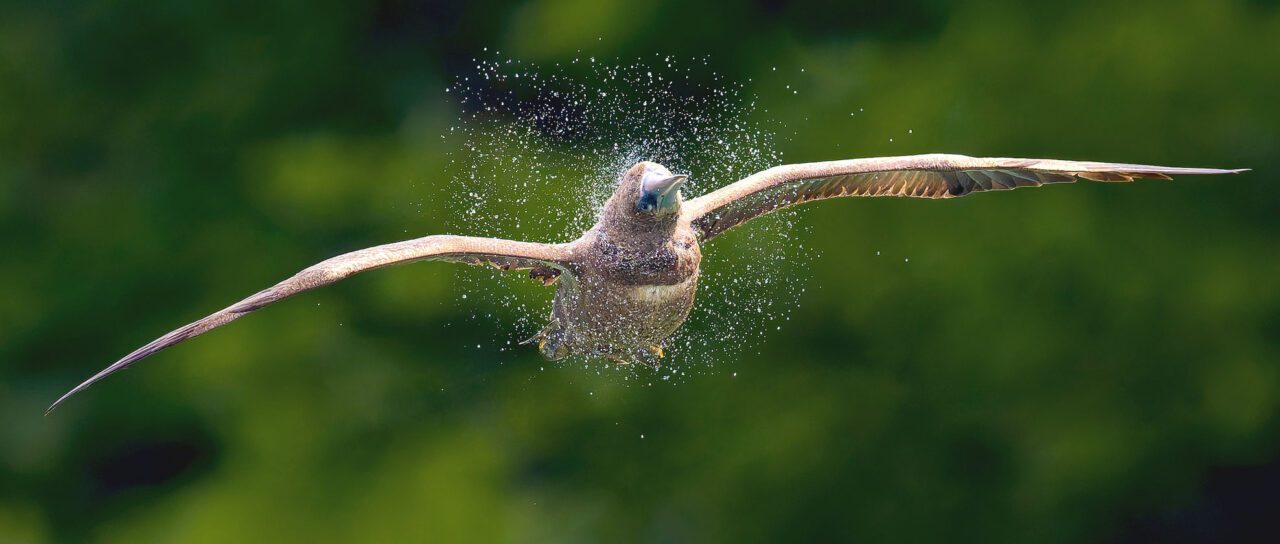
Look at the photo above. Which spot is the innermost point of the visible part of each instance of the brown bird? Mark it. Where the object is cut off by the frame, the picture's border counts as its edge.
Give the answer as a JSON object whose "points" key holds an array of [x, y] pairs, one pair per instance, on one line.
{"points": [[628, 283]]}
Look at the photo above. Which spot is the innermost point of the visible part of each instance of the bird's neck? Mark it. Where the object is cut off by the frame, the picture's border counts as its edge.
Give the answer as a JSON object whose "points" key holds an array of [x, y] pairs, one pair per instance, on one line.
{"points": [[636, 236], [634, 231]]}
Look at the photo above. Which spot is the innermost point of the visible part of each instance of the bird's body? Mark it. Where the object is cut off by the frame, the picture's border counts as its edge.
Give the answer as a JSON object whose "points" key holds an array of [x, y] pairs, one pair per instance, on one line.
{"points": [[623, 299], [629, 282]]}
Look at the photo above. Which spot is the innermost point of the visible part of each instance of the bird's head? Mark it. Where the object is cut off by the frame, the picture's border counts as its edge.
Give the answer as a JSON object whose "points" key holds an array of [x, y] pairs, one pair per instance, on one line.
{"points": [[646, 202], [652, 190]]}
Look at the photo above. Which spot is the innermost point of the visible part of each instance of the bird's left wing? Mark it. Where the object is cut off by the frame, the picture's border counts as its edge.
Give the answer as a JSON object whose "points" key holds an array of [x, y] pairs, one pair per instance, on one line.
{"points": [[922, 176], [545, 261]]}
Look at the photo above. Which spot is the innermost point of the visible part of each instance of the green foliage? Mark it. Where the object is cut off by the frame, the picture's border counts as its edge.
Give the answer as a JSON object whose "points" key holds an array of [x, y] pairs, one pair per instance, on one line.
{"points": [[1047, 365]]}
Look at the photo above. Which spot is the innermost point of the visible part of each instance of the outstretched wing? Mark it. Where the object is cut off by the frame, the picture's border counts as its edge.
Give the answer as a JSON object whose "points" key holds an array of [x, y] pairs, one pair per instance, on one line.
{"points": [[545, 261], [921, 176]]}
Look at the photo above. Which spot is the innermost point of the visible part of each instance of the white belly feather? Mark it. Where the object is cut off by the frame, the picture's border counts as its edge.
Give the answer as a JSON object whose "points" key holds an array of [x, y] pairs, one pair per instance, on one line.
{"points": [[658, 294]]}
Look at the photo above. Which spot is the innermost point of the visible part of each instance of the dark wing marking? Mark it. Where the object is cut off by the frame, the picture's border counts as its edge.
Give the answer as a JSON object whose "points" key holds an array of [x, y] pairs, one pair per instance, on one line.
{"points": [[920, 176], [545, 261]]}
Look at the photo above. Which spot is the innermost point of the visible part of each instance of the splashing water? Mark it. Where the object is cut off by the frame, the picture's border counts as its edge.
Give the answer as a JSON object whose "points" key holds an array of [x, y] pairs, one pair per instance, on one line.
{"points": [[539, 148]]}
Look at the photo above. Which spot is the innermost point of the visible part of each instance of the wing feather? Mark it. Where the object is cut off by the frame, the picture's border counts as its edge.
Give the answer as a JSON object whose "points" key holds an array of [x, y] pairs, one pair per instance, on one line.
{"points": [[918, 176], [544, 260]]}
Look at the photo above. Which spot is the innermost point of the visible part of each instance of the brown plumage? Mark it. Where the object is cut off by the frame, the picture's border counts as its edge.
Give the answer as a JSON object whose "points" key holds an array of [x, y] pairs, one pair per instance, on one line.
{"points": [[628, 283]]}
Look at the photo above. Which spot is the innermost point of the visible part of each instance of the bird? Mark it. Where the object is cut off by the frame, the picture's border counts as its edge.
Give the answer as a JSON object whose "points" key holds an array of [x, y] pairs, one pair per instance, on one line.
{"points": [[629, 282]]}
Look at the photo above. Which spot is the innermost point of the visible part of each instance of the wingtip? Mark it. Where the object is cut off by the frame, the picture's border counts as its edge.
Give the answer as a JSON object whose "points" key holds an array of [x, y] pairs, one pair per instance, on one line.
{"points": [[1212, 171], [85, 385], [66, 396], [54, 406]]}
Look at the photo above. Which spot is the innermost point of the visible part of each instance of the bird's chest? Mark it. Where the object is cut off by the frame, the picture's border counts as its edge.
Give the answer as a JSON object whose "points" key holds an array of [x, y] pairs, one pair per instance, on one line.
{"points": [[659, 287], [629, 298], [654, 272]]}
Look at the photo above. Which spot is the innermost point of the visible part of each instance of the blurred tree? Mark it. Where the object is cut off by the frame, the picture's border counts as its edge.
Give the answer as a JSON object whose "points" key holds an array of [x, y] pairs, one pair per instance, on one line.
{"points": [[1083, 363]]}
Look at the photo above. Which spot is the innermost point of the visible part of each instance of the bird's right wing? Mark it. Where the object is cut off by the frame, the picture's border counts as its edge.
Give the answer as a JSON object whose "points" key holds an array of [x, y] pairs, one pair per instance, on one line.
{"points": [[545, 261], [920, 176]]}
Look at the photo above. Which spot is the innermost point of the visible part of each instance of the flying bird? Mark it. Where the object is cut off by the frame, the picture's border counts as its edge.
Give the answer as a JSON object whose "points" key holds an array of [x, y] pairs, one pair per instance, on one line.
{"points": [[628, 283]]}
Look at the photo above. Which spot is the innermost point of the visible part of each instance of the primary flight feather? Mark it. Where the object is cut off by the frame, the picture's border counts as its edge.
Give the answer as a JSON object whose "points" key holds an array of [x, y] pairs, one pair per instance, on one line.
{"points": [[628, 283]]}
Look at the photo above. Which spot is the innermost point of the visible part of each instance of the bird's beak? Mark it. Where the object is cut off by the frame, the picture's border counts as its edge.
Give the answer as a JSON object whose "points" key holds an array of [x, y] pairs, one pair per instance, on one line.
{"points": [[666, 191]]}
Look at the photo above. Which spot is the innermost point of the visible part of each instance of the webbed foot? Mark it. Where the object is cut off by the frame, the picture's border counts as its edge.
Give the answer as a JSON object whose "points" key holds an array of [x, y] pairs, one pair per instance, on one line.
{"points": [[551, 343]]}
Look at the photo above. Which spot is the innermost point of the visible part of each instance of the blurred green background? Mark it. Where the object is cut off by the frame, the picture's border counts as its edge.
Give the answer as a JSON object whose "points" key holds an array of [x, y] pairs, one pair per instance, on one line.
{"points": [[1076, 363]]}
